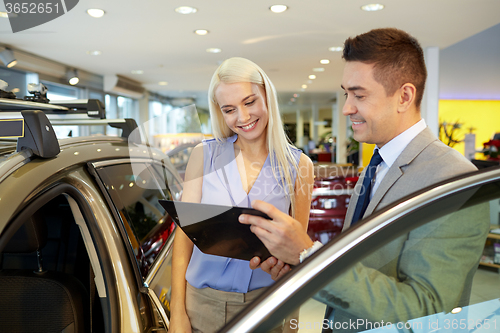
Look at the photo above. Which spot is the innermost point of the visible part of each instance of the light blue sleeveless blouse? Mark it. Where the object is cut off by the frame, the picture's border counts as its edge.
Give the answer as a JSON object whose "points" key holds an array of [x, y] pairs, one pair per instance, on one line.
{"points": [[223, 273]]}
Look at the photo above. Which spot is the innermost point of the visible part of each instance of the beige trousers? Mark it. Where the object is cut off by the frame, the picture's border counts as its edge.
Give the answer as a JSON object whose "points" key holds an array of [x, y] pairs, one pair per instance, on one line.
{"points": [[209, 309]]}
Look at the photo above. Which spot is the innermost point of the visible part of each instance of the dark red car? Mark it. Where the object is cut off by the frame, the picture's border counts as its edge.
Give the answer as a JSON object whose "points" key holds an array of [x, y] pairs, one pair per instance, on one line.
{"points": [[333, 187]]}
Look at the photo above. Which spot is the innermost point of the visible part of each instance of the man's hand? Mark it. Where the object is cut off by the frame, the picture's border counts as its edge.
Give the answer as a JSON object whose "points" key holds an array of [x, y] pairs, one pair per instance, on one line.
{"points": [[276, 268], [283, 236]]}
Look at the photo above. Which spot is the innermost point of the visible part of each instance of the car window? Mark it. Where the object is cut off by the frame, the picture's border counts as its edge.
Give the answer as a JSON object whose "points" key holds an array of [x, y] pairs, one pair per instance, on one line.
{"points": [[135, 190], [418, 273]]}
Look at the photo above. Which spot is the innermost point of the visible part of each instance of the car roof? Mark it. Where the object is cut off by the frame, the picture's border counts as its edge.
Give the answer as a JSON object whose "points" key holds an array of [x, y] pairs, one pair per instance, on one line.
{"points": [[23, 172]]}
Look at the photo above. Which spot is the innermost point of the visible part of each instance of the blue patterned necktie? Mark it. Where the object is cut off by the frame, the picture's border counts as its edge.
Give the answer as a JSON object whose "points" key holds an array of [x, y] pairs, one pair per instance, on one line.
{"points": [[364, 197]]}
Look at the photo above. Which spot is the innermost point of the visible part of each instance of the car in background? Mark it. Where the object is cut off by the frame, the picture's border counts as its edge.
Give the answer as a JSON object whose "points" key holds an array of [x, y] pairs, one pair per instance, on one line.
{"points": [[333, 187]]}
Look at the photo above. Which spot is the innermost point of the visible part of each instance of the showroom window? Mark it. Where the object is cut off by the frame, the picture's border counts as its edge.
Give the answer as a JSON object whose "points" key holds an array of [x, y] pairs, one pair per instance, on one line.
{"points": [[59, 92], [17, 81], [158, 118], [118, 107]]}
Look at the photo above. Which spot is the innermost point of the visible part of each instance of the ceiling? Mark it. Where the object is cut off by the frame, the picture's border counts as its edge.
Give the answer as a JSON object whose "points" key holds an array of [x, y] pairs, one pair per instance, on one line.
{"points": [[152, 37]]}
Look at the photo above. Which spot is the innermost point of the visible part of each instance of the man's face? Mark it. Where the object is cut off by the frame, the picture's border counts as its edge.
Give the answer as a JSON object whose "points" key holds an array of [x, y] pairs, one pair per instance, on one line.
{"points": [[373, 114]]}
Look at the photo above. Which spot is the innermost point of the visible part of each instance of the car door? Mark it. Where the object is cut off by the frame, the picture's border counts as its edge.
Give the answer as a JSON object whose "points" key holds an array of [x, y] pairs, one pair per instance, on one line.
{"points": [[412, 267], [133, 188]]}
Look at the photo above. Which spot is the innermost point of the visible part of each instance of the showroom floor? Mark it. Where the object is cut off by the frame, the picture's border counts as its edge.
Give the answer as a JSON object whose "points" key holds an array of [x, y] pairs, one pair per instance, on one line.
{"points": [[485, 286]]}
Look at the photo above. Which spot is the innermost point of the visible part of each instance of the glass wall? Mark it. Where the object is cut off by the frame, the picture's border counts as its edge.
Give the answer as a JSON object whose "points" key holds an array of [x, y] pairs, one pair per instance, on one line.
{"points": [[60, 92], [16, 80], [118, 107]]}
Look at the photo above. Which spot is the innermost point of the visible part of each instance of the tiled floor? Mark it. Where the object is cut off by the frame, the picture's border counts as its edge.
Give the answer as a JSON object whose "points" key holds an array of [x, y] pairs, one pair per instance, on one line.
{"points": [[485, 286]]}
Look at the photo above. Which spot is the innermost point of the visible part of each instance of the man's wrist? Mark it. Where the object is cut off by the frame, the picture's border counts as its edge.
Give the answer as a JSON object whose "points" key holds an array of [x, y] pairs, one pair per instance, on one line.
{"points": [[309, 251]]}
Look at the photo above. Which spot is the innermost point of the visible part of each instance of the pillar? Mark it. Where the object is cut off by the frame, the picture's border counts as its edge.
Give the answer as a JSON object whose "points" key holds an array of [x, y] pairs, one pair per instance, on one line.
{"points": [[339, 127], [430, 101]]}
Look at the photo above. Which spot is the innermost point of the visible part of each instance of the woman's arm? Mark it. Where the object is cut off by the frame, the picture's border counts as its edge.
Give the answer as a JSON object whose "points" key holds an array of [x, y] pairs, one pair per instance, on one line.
{"points": [[304, 184], [183, 247]]}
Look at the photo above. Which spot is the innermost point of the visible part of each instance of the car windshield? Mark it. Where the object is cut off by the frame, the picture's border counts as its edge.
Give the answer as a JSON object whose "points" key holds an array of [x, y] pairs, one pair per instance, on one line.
{"points": [[413, 268]]}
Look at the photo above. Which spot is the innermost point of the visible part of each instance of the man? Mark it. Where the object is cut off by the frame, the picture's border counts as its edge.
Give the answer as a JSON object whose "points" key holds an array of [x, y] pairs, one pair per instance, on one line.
{"points": [[426, 271]]}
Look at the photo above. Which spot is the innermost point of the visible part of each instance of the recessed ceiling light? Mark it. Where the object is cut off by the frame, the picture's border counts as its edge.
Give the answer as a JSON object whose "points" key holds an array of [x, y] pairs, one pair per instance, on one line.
{"points": [[318, 69], [72, 76], [95, 12], [214, 50], [74, 80], [162, 83], [94, 53], [335, 48], [278, 8], [137, 71], [373, 7], [324, 61], [201, 32], [8, 58], [186, 10], [312, 76], [304, 86]]}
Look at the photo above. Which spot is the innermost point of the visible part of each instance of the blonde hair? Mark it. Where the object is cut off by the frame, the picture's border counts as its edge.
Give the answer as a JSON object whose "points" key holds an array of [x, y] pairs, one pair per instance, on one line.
{"points": [[235, 70]]}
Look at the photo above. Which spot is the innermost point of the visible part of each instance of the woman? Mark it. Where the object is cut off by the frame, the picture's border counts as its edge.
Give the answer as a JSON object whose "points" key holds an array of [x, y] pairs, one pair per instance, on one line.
{"points": [[250, 158]]}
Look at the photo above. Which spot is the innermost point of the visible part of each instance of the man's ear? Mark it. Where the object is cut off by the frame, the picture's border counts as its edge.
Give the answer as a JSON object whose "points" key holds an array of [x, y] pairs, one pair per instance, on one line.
{"points": [[407, 94]]}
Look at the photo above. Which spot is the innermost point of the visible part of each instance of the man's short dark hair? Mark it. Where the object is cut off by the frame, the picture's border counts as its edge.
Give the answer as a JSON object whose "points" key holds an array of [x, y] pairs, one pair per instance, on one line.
{"points": [[397, 57]]}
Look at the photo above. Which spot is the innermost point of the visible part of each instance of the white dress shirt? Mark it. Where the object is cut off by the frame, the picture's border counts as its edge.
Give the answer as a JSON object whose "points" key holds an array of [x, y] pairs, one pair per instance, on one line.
{"points": [[392, 149]]}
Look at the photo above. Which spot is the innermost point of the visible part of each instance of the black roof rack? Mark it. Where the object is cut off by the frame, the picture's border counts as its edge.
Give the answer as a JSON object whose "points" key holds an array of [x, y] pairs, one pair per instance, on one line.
{"points": [[128, 125], [39, 135], [93, 108], [33, 124]]}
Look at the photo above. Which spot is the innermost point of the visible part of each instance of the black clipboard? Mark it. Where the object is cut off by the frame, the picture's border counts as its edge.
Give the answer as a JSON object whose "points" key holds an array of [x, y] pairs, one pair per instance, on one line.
{"points": [[216, 230]]}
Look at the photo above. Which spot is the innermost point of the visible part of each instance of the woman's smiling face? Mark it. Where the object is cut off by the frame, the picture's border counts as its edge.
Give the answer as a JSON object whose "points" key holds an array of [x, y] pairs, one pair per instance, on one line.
{"points": [[243, 106]]}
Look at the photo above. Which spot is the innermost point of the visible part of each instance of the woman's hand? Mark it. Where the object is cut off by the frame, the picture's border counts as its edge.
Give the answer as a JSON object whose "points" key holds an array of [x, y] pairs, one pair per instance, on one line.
{"points": [[276, 268], [179, 323]]}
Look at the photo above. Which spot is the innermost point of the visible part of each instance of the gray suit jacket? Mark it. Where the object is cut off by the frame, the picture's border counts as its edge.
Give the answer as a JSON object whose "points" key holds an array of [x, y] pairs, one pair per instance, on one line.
{"points": [[427, 271]]}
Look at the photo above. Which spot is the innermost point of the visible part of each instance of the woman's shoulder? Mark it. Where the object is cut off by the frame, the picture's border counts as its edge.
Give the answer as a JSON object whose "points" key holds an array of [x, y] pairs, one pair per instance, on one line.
{"points": [[220, 142], [296, 153], [215, 147], [302, 159]]}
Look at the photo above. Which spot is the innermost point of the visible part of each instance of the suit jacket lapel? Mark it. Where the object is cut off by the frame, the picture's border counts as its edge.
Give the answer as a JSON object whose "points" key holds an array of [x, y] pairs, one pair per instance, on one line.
{"points": [[353, 201]]}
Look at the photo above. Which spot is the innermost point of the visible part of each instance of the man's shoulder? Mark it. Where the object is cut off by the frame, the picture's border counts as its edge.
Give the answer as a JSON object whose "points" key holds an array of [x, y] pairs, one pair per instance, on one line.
{"points": [[439, 154], [437, 161]]}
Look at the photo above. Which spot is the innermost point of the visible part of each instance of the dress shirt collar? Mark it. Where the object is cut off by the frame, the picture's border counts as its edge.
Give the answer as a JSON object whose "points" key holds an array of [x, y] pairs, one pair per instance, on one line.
{"points": [[391, 150]]}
